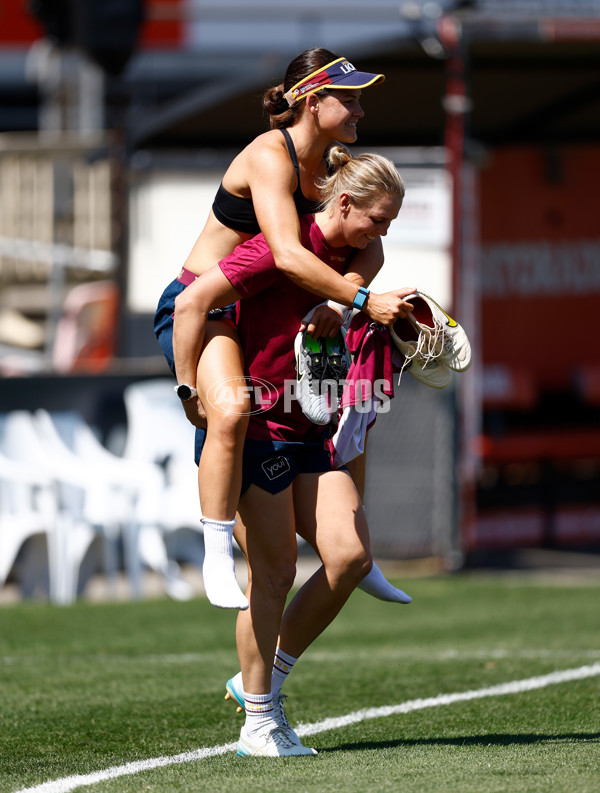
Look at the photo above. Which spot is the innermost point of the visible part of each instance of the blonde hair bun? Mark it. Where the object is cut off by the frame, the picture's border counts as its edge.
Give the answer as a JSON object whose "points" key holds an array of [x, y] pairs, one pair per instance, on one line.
{"points": [[363, 178], [337, 156]]}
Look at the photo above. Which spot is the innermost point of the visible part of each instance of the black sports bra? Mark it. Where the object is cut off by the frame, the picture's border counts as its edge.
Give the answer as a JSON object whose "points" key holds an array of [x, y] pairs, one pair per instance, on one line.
{"points": [[238, 213]]}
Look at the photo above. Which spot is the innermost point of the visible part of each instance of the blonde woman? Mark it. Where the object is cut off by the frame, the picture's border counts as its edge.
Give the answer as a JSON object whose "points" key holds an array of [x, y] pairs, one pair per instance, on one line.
{"points": [[288, 485]]}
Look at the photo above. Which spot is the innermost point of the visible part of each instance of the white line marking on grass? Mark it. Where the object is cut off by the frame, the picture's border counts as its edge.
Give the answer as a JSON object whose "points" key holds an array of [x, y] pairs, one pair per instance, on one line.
{"points": [[68, 783], [514, 687], [451, 654], [323, 656]]}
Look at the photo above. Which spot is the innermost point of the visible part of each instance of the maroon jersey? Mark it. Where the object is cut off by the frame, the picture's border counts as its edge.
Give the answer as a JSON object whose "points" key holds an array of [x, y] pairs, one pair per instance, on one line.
{"points": [[268, 320]]}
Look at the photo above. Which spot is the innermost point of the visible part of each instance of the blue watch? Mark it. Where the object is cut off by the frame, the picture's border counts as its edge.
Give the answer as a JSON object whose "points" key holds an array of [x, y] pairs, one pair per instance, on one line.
{"points": [[360, 297]]}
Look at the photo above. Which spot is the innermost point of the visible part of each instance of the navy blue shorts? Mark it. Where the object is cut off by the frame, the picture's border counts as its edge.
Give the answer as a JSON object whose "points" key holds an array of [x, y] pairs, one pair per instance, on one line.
{"points": [[163, 319], [273, 465]]}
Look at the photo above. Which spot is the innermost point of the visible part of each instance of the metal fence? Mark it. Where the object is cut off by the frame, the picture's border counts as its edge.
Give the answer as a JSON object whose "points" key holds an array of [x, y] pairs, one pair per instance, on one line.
{"points": [[410, 489]]}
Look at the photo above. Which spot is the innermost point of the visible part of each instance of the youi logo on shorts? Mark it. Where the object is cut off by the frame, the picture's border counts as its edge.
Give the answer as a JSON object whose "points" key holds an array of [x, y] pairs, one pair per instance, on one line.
{"points": [[276, 466]]}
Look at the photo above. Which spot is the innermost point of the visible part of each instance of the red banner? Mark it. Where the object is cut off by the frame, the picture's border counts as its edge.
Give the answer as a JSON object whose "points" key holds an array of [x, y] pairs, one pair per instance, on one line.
{"points": [[540, 266]]}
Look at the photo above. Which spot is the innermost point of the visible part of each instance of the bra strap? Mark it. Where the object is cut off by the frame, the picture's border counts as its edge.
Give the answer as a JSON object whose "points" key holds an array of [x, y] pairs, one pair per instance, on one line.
{"points": [[290, 145]]}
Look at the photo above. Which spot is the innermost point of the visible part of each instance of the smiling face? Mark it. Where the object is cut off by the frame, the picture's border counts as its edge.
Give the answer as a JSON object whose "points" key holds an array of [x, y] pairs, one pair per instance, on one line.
{"points": [[339, 113], [361, 225]]}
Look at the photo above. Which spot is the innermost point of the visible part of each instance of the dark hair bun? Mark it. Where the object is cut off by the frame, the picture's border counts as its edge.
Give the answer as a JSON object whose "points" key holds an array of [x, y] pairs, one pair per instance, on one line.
{"points": [[274, 101]]}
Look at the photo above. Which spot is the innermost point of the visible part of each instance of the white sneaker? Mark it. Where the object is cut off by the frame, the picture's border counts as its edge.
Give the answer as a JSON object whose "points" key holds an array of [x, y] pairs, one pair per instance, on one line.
{"points": [[421, 354], [428, 317], [271, 742], [235, 693]]}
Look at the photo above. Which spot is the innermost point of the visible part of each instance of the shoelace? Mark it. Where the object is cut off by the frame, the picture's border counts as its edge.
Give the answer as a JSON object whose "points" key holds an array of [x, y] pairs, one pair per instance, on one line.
{"points": [[323, 367], [446, 344], [337, 364], [337, 369], [317, 366], [429, 345], [279, 712], [281, 738]]}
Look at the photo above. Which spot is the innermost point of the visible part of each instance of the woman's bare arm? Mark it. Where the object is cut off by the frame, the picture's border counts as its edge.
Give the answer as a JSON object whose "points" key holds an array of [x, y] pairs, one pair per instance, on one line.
{"points": [[273, 181], [210, 290]]}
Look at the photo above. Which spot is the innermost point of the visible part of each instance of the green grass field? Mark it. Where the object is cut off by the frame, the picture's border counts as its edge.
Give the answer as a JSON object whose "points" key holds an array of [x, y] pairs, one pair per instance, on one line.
{"points": [[96, 686]]}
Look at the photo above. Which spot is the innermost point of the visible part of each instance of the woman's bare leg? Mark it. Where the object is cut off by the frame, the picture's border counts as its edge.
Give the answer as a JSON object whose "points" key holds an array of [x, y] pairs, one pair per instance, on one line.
{"points": [[270, 545], [342, 541], [374, 583], [222, 390], [270, 540], [330, 516]]}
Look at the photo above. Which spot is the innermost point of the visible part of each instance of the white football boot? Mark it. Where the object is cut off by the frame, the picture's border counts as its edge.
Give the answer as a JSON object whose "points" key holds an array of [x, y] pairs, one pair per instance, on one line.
{"points": [[271, 742], [311, 365], [443, 332], [235, 693], [421, 354]]}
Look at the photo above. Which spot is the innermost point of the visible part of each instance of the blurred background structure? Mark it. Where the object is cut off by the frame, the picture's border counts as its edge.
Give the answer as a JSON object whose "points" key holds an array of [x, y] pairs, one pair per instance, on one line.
{"points": [[117, 120]]}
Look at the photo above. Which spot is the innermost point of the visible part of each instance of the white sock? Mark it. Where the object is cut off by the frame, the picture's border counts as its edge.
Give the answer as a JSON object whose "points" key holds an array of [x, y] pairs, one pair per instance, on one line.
{"points": [[218, 570], [282, 666], [377, 585], [259, 713]]}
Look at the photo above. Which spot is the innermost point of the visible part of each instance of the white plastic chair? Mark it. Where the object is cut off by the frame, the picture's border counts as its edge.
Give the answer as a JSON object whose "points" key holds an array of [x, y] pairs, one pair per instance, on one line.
{"points": [[103, 506], [27, 508], [157, 428], [134, 489], [158, 432], [76, 494]]}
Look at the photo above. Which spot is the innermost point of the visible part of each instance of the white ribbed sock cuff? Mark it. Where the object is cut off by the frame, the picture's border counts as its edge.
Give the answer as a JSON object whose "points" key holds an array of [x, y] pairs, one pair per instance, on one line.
{"points": [[259, 711], [282, 666], [218, 535], [218, 570]]}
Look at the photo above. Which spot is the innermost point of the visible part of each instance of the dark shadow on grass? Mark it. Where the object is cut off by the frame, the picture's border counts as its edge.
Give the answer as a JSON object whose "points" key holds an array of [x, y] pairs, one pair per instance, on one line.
{"points": [[468, 740]]}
